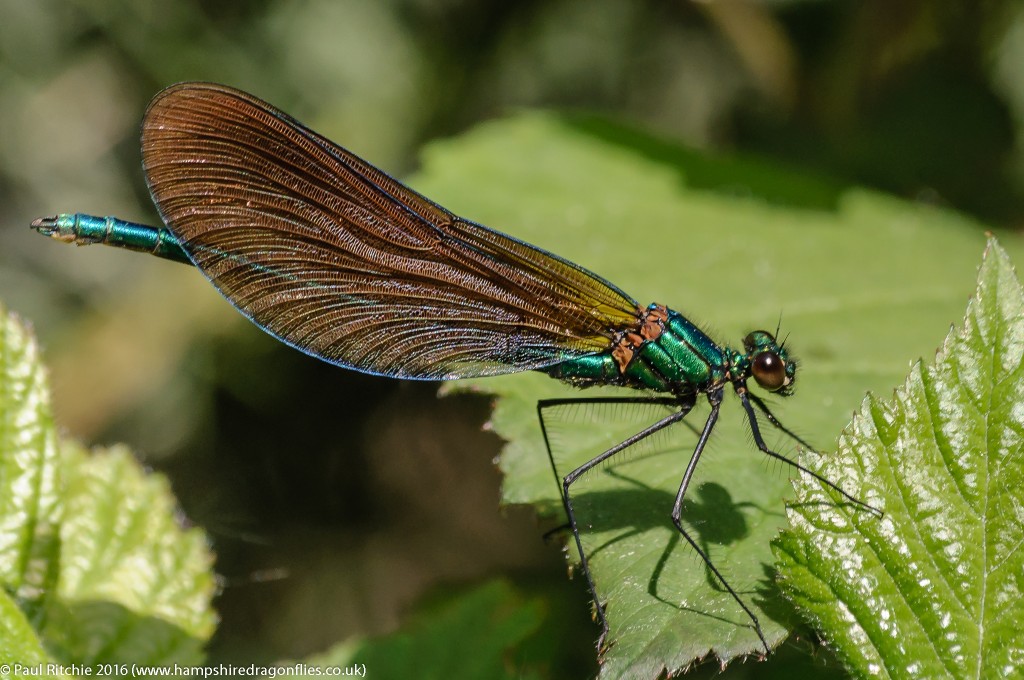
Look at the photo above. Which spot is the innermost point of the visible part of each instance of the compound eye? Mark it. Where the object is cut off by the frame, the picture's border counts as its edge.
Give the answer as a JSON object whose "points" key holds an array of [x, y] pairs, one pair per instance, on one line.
{"points": [[769, 371]]}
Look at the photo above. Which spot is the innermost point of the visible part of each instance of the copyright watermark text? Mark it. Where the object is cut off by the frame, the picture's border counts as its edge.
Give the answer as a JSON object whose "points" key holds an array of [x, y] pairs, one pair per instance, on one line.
{"points": [[106, 670]]}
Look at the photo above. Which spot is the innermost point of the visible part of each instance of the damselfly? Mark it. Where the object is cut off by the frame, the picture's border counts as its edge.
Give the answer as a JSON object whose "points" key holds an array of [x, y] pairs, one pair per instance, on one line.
{"points": [[337, 259]]}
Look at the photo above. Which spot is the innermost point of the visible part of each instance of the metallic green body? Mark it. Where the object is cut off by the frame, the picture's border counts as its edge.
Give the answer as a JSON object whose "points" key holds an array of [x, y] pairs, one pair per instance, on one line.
{"points": [[682, 355], [82, 229], [587, 370], [681, 360]]}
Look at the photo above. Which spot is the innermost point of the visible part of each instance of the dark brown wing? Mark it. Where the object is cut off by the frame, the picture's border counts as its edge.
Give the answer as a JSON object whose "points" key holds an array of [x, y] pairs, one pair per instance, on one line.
{"points": [[334, 257]]}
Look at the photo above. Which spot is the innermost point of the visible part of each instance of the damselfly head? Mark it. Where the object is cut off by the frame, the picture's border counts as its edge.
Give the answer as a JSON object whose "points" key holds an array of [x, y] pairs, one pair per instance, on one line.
{"points": [[769, 362]]}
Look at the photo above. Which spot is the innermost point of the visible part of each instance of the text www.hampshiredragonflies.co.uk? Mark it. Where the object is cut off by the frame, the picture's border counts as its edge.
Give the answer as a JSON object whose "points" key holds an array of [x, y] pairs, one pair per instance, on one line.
{"points": [[177, 671]]}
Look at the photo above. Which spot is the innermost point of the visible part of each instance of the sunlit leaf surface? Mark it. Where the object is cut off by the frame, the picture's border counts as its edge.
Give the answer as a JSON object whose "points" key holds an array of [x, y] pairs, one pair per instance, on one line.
{"points": [[29, 502], [935, 588], [94, 562], [863, 284]]}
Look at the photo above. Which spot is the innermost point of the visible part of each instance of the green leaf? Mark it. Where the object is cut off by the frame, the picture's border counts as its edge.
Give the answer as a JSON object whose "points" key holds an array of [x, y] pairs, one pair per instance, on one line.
{"points": [[135, 586], [29, 501], [933, 589], [473, 635], [19, 643], [29, 471], [862, 281], [95, 565]]}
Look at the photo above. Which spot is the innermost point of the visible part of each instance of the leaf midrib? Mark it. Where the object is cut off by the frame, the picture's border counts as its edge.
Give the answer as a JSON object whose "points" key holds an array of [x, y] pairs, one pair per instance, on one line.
{"points": [[999, 333]]}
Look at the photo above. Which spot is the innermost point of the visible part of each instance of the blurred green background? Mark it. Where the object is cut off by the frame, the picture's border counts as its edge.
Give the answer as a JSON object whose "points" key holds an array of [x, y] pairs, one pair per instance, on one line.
{"points": [[335, 501]]}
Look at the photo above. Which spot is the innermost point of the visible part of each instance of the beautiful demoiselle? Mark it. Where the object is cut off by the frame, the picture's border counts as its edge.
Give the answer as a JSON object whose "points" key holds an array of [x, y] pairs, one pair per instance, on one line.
{"points": [[335, 258]]}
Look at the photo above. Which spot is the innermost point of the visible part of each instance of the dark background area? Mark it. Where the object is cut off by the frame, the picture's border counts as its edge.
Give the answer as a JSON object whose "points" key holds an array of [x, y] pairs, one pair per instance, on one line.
{"points": [[334, 500]]}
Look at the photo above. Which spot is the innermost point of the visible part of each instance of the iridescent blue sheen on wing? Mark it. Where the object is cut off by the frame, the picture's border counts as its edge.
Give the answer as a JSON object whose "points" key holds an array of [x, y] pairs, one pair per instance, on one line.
{"points": [[336, 258]]}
